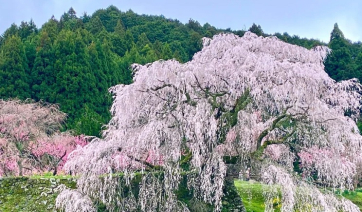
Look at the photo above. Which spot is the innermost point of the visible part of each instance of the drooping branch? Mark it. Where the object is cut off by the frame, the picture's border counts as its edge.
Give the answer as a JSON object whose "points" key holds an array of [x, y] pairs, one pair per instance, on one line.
{"points": [[266, 131], [161, 87], [207, 91], [144, 162]]}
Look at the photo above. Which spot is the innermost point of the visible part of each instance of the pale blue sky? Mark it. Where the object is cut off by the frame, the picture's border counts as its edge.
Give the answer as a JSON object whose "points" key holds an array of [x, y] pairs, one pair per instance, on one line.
{"points": [[306, 18]]}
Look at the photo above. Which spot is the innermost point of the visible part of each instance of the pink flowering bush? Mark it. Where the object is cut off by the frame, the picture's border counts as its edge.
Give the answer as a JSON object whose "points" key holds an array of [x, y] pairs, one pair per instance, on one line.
{"points": [[30, 141], [53, 151]]}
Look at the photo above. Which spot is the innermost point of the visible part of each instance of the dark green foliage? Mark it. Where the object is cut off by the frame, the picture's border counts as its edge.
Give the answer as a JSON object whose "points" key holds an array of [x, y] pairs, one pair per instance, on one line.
{"points": [[95, 25], [89, 122], [359, 125], [43, 75], [231, 200], [187, 196], [336, 33], [256, 29], [14, 70], [345, 60], [26, 29], [11, 31], [231, 159], [296, 40]]}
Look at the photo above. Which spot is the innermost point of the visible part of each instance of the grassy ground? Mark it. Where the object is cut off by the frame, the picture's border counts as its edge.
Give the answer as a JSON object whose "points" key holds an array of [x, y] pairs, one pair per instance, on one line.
{"points": [[31, 194], [355, 196], [37, 193], [49, 176], [252, 196]]}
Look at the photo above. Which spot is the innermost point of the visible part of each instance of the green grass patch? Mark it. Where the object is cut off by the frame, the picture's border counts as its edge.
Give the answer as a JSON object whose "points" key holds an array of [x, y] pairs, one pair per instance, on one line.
{"points": [[355, 196], [28, 194], [251, 193], [49, 175]]}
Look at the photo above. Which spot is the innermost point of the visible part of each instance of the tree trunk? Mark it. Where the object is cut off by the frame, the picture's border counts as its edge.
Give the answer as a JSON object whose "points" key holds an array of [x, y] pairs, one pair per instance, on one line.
{"points": [[20, 165], [231, 201]]}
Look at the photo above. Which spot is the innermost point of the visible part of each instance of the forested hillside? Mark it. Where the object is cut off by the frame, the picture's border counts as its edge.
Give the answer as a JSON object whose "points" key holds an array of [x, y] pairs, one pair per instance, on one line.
{"points": [[74, 60]]}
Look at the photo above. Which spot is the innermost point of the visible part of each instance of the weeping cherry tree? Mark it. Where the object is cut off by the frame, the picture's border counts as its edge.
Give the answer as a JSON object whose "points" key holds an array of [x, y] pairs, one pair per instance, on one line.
{"points": [[266, 103]]}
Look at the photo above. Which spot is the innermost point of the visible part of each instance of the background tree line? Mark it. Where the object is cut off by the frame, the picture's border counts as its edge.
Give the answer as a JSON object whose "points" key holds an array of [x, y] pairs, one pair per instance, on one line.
{"points": [[73, 61]]}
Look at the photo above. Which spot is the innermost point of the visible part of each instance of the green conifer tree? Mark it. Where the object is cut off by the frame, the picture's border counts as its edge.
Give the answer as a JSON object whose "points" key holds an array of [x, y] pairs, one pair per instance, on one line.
{"points": [[13, 75]]}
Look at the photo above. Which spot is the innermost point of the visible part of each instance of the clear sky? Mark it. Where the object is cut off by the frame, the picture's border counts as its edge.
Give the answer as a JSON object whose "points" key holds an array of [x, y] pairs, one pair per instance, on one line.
{"points": [[306, 18]]}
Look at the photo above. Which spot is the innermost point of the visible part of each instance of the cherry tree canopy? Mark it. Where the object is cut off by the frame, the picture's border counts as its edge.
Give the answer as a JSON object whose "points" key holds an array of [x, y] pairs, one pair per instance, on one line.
{"points": [[266, 102]]}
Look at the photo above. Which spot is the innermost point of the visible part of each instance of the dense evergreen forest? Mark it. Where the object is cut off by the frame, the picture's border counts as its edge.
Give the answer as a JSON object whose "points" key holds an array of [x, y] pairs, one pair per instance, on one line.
{"points": [[73, 61]]}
